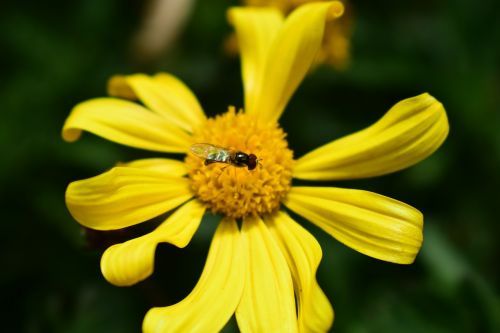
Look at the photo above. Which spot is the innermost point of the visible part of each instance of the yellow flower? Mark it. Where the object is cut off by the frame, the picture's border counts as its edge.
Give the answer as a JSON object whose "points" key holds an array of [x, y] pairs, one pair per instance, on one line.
{"points": [[335, 48], [258, 271]]}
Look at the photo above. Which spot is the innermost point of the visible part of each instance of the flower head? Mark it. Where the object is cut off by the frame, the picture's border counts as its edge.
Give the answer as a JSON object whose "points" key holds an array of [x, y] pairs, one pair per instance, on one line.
{"points": [[236, 192], [263, 268]]}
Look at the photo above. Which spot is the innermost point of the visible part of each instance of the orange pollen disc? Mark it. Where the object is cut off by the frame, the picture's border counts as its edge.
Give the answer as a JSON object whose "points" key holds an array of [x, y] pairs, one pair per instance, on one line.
{"points": [[236, 191]]}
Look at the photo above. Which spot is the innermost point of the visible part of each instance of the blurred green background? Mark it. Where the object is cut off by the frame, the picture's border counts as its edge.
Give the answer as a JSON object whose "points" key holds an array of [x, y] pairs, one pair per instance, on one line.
{"points": [[57, 53]]}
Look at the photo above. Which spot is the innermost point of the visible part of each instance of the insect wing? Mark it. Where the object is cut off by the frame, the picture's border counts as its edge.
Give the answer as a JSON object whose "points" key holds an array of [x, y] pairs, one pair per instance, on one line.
{"points": [[210, 152], [203, 150]]}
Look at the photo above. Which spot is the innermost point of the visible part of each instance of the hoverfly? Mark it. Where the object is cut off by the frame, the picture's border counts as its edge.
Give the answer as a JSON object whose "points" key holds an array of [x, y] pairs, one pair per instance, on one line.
{"points": [[216, 154]]}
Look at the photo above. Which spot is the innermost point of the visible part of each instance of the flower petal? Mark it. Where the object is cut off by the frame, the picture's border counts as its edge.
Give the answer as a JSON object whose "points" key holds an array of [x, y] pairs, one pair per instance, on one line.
{"points": [[256, 28], [408, 133], [303, 254], [288, 58], [213, 300], [370, 223], [165, 165], [122, 197], [267, 303], [128, 263], [164, 94], [127, 123]]}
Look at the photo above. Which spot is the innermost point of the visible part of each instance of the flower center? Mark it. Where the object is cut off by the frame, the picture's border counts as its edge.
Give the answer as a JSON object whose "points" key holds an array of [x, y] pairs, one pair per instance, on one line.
{"points": [[237, 191]]}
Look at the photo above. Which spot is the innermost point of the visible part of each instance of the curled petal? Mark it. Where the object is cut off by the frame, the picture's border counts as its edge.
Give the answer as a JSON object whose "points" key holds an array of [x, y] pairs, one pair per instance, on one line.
{"points": [[291, 51], [123, 196], [370, 223], [256, 28], [408, 133], [126, 123], [128, 263], [164, 94], [214, 298], [164, 165], [303, 254], [267, 303]]}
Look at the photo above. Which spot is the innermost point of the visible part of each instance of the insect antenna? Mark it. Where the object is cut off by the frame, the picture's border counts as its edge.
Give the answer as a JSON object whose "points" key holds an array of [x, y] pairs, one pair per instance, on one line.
{"points": [[259, 162]]}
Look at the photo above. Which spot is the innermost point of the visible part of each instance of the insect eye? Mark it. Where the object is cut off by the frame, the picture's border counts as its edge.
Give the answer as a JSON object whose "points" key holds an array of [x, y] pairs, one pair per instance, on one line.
{"points": [[252, 163]]}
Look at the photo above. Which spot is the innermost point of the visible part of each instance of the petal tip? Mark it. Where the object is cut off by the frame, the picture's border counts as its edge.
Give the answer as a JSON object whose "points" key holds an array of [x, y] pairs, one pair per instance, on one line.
{"points": [[70, 135], [438, 108], [336, 10], [233, 12], [117, 274], [230, 15], [119, 87], [68, 200], [428, 100]]}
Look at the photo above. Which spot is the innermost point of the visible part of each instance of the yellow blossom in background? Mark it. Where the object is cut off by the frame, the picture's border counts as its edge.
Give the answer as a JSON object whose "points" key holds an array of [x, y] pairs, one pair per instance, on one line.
{"points": [[335, 48], [258, 271]]}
